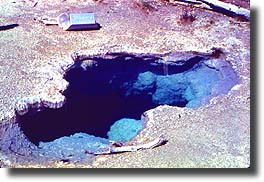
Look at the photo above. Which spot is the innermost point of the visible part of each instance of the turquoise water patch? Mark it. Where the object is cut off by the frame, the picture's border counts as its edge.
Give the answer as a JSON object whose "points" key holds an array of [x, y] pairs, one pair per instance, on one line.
{"points": [[124, 129]]}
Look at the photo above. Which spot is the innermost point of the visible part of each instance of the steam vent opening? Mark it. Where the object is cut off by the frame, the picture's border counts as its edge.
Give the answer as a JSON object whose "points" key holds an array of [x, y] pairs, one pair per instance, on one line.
{"points": [[107, 96]]}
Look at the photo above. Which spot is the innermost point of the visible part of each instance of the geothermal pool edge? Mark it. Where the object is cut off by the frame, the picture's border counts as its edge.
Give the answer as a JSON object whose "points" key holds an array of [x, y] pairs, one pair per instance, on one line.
{"points": [[37, 102]]}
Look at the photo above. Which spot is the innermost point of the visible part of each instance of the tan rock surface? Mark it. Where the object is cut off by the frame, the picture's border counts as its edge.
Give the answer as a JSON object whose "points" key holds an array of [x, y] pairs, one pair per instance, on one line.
{"points": [[34, 56]]}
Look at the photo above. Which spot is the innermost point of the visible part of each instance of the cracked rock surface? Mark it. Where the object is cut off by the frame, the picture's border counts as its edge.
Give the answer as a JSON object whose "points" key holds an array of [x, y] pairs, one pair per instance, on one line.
{"points": [[34, 58]]}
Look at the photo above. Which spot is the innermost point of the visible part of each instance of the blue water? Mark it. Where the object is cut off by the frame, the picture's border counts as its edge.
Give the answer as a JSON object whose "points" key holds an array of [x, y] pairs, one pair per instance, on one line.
{"points": [[104, 94]]}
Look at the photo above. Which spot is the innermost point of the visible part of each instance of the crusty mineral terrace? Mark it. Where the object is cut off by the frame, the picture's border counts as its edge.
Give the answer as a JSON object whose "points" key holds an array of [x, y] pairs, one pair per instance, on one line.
{"points": [[46, 98]]}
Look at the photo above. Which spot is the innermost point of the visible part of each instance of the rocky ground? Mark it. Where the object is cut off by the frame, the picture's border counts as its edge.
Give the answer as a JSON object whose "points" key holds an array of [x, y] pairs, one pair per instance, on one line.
{"points": [[34, 56]]}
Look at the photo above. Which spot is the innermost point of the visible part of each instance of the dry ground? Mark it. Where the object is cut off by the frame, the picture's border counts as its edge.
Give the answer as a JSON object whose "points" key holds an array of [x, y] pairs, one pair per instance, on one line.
{"points": [[215, 135]]}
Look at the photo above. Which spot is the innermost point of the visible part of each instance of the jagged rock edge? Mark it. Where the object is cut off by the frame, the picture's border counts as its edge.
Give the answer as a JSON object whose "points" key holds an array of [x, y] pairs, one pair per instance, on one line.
{"points": [[58, 100]]}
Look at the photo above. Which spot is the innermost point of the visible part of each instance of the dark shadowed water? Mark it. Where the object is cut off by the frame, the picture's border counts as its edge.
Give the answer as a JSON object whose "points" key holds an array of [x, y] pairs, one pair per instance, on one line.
{"points": [[107, 90]]}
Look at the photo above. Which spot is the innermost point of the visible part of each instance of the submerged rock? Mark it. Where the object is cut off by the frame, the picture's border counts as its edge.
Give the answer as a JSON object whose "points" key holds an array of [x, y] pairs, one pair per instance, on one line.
{"points": [[201, 83], [124, 129], [170, 89], [191, 88], [145, 83]]}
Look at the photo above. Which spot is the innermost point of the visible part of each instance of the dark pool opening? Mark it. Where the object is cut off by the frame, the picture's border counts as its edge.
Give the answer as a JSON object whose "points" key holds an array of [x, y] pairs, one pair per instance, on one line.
{"points": [[102, 91]]}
